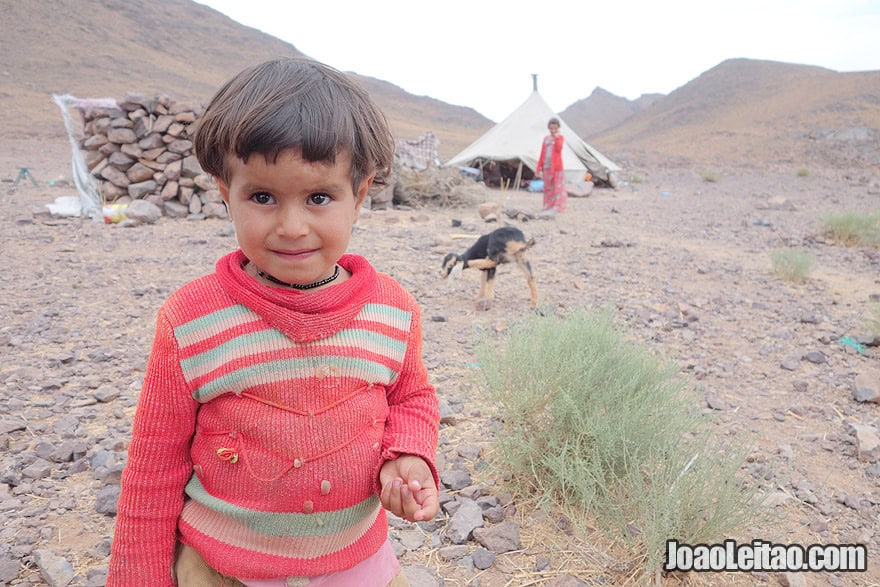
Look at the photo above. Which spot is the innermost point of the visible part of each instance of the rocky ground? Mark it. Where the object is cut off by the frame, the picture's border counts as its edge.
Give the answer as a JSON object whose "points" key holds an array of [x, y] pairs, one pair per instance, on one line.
{"points": [[684, 262]]}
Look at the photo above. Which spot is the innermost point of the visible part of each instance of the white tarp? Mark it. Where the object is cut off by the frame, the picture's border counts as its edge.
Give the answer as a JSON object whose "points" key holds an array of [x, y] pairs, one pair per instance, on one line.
{"points": [[519, 137], [90, 199]]}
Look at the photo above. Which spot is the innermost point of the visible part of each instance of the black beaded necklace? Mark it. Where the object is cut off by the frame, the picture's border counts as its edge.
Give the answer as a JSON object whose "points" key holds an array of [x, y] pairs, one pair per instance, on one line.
{"points": [[324, 281]]}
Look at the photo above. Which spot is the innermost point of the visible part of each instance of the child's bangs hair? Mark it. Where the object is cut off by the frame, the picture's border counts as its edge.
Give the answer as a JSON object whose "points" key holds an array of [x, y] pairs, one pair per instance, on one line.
{"points": [[294, 104]]}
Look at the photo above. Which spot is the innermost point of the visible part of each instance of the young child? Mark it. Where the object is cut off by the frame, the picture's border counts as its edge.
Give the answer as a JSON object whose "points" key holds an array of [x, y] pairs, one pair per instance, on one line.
{"points": [[285, 401], [550, 169]]}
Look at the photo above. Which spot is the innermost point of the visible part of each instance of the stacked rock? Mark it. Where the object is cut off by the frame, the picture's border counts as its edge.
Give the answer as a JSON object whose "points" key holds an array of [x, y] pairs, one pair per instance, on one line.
{"points": [[140, 149]]}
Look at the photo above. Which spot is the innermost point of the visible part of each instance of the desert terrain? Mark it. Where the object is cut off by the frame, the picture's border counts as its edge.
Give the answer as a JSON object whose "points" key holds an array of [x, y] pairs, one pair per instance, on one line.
{"points": [[683, 263], [79, 301]]}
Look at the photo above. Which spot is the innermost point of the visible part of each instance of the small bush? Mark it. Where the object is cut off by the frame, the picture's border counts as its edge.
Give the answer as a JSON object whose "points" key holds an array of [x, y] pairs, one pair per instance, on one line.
{"points": [[635, 178], [791, 264], [598, 425], [710, 176], [853, 228], [803, 172]]}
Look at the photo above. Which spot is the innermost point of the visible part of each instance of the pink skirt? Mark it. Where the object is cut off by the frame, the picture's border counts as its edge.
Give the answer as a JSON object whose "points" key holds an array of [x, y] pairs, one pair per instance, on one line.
{"points": [[555, 195], [377, 571]]}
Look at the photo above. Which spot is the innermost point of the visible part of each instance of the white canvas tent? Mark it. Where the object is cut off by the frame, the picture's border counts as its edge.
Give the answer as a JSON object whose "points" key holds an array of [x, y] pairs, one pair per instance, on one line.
{"points": [[517, 140]]}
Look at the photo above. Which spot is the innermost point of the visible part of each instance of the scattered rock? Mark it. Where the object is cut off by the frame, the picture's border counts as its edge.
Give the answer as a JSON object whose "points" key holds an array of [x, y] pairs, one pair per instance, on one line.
{"points": [[714, 402], [107, 499], [815, 357], [789, 365], [413, 539], [867, 387], [775, 499], [420, 576], [9, 568], [483, 559], [455, 479], [867, 442], [500, 538], [142, 212], [454, 552], [464, 521], [793, 580], [55, 570]]}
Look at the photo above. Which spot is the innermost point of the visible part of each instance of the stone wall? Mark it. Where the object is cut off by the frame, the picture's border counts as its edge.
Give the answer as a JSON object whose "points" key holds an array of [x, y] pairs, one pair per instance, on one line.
{"points": [[141, 149]]}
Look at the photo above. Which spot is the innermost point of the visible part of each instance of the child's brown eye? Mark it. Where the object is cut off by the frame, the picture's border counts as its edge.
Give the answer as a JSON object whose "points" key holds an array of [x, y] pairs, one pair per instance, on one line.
{"points": [[262, 198], [320, 199]]}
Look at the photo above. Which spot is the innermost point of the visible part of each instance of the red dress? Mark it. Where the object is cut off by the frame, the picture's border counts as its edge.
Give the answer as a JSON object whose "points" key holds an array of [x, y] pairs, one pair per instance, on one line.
{"points": [[550, 166]]}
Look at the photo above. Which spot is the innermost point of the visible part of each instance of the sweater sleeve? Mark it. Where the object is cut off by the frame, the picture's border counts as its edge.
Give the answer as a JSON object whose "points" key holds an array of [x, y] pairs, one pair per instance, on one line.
{"points": [[413, 413], [157, 470]]}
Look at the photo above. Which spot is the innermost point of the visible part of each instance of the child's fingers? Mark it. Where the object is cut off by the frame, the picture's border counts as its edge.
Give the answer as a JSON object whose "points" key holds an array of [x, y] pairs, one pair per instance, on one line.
{"points": [[392, 497], [428, 508], [409, 503], [385, 494]]}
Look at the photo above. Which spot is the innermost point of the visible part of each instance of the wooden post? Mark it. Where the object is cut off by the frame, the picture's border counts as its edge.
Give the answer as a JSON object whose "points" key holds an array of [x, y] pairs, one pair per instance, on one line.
{"points": [[518, 175]]}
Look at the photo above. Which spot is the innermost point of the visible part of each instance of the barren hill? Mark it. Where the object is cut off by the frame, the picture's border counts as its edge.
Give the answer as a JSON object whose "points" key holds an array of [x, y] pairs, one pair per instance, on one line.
{"points": [[741, 112], [176, 47], [745, 111], [602, 111]]}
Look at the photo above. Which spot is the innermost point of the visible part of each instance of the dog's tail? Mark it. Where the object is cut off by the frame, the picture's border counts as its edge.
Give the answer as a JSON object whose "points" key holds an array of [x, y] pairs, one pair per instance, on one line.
{"points": [[521, 246]]}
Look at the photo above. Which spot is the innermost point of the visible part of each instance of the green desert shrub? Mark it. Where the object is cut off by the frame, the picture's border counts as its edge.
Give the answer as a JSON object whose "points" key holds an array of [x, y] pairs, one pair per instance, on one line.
{"points": [[791, 264], [853, 228], [635, 178], [710, 176], [803, 172], [603, 429]]}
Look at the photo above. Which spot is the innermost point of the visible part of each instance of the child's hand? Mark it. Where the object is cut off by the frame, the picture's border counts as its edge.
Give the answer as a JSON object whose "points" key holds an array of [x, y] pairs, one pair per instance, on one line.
{"points": [[408, 489]]}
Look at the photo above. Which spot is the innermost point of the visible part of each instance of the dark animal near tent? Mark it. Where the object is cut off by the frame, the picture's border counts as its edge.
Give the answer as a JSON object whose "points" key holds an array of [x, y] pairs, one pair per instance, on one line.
{"points": [[503, 245]]}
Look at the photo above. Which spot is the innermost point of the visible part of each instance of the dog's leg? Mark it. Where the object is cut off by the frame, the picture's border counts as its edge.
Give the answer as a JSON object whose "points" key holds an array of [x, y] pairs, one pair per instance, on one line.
{"points": [[483, 302], [487, 289], [526, 267], [483, 281], [490, 283], [482, 263]]}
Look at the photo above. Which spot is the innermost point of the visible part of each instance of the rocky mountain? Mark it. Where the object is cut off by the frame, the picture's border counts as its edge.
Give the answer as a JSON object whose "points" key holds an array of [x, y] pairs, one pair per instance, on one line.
{"points": [[180, 48], [739, 111], [602, 111], [748, 111]]}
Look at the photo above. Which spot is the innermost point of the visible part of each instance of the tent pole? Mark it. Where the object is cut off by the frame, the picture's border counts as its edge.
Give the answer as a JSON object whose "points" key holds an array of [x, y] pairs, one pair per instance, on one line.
{"points": [[518, 175]]}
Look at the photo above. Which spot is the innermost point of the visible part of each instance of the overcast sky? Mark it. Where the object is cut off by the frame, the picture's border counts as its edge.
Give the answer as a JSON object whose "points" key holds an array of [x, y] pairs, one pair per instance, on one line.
{"points": [[481, 53]]}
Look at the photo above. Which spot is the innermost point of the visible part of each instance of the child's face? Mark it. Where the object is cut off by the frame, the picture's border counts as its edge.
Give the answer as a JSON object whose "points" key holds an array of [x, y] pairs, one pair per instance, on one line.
{"points": [[293, 218]]}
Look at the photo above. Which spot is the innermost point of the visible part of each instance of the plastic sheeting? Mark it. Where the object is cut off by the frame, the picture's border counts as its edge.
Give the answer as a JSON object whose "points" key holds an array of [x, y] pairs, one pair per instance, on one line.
{"points": [[90, 198]]}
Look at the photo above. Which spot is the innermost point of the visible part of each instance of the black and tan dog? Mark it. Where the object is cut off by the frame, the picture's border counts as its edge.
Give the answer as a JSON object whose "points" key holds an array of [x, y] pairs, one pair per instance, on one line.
{"points": [[503, 245]]}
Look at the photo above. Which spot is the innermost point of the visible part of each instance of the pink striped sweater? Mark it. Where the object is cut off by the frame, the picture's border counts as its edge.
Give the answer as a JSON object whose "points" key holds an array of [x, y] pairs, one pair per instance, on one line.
{"points": [[264, 419]]}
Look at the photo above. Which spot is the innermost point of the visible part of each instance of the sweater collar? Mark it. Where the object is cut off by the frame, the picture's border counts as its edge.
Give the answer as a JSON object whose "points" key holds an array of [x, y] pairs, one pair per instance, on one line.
{"points": [[302, 316]]}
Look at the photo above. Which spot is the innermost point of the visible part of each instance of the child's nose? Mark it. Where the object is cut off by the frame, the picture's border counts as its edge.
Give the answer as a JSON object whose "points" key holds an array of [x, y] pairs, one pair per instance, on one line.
{"points": [[292, 223]]}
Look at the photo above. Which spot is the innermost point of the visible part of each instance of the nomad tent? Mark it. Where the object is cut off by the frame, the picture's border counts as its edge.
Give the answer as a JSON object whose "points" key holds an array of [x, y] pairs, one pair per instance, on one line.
{"points": [[515, 143]]}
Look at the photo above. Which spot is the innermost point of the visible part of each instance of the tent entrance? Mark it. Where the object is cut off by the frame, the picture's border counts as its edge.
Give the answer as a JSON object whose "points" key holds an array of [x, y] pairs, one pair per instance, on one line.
{"points": [[505, 174]]}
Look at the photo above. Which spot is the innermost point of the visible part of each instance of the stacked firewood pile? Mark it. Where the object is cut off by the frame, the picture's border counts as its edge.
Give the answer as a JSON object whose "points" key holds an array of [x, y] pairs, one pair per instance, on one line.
{"points": [[141, 149]]}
